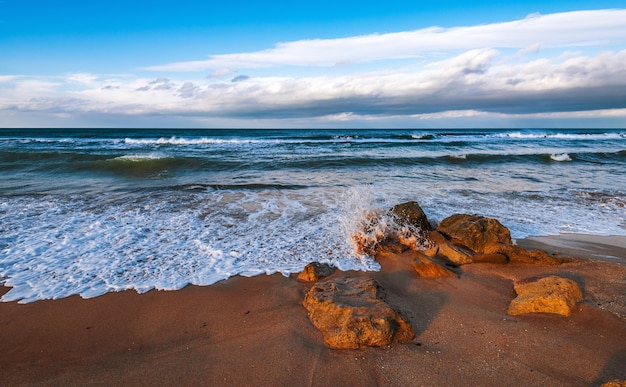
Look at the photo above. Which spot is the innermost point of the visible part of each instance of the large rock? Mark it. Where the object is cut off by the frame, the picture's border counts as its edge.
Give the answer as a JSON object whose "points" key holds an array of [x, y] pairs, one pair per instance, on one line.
{"points": [[411, 214], [545, 295], [351, 313], [491, 240], [315, 271], [483, 235]]}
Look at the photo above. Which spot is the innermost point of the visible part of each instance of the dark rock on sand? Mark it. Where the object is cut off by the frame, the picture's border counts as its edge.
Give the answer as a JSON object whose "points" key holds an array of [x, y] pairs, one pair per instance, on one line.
{"points": [[411, 214], [315, 271], [351, 313], [545, 295]]}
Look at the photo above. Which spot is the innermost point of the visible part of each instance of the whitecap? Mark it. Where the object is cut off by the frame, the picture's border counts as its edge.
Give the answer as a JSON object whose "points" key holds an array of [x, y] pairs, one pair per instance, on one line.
{"points": [[560, 157]]}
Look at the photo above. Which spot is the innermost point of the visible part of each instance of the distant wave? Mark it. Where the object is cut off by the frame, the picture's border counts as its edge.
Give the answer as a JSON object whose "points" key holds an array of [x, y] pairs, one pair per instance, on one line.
{"points": [[184, 141], [562, 136]]}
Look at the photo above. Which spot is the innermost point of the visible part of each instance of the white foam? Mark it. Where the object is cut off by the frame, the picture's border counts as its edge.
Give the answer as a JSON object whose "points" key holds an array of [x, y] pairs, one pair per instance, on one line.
{"points": [[57, 247], [560, 157], [562, 136], [184, 141], [140, 157]]}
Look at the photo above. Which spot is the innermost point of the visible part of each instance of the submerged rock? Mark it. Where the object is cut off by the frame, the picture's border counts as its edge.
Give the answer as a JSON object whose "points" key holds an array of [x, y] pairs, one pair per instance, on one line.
{"points": [[351, 313], [315, 271], [545, 295]]}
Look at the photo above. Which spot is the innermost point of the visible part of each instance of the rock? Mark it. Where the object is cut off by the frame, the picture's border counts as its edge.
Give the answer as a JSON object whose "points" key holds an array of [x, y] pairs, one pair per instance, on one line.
{"points": [[488, 237], [315, 271], [370, 232], [615, 383], [424, 267], [536, 257], [389, 248], [437, 238], [545, 295], [351, 313], [456, 254], [411, 214], [483, 235]]}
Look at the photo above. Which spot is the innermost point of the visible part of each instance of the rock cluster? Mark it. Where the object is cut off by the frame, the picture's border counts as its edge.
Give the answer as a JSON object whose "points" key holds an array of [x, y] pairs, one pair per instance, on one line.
{"points": [[351, 313], [459, 239], [474, 238]]}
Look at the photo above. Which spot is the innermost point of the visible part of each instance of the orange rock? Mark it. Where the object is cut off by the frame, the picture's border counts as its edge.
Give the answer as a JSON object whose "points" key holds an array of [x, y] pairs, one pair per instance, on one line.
{"points": [[351, 313], [545, 295], [424, 267], [456, 254], [537, 257], [475, 232], [437, 238], [615, 383], [315, 271]]}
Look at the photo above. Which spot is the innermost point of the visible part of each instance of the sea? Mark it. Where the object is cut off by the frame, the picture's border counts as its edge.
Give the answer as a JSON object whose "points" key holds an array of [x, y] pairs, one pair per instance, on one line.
{"points": [[91, 211]]}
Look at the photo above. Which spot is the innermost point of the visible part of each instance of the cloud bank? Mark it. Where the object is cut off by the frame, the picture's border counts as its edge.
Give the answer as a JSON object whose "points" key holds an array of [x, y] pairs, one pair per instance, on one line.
{"points": [[581, 28], [539, 68]]}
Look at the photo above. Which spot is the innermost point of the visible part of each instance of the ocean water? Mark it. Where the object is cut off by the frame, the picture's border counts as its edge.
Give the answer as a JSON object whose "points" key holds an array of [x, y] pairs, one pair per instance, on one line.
{"points": [[94, 211]]}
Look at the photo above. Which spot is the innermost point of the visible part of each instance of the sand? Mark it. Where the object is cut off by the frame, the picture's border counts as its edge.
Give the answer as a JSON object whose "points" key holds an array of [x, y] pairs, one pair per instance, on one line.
{"points": [[254, 331]]}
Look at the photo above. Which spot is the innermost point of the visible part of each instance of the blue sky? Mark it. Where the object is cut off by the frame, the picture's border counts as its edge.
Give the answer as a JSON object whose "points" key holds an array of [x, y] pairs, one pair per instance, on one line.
{"points": [[316, 64]]}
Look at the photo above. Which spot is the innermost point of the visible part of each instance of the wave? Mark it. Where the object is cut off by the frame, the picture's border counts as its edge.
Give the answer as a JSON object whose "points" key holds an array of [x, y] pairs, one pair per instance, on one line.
{"points": [[563, 136], [238, 187], [560, 157], [186, 141]]}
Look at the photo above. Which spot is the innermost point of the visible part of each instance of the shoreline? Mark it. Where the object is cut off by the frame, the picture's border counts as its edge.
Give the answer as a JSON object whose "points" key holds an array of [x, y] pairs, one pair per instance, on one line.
{"points": [[601, 247], [255, 330]]}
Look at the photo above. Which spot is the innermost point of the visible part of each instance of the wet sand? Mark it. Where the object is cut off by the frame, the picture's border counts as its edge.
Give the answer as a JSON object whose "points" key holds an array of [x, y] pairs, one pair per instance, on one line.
{"points": [[254, 331]]}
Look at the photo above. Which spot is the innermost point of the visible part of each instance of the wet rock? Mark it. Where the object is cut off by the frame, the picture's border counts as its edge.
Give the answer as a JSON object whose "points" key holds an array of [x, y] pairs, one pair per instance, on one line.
{"points": [[351, 313], [424, 267], [411, 214], [545, 295], [371, 231], [315, 271]]}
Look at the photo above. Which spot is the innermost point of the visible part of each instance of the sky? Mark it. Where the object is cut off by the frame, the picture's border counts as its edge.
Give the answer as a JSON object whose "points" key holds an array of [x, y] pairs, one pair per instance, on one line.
{"points": [[322, 64]]}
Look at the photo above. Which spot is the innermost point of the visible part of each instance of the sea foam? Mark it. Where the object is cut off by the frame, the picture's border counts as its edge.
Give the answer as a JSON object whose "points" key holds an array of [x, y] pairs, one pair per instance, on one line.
{"points": [[560, 157]]}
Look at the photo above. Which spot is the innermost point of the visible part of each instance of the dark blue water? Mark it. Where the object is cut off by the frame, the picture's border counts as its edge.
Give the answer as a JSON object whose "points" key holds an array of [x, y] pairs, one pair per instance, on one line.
{"points": [[92, 211]]}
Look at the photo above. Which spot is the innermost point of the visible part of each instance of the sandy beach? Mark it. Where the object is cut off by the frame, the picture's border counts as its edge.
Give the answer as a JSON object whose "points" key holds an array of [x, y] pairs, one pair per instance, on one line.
{"points": [[255, 331]]}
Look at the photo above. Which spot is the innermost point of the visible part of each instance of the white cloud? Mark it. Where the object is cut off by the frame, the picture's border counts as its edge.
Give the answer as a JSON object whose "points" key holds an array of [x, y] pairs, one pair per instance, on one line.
{"points": [[474, 78], [570, 29], [473, 81]]}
